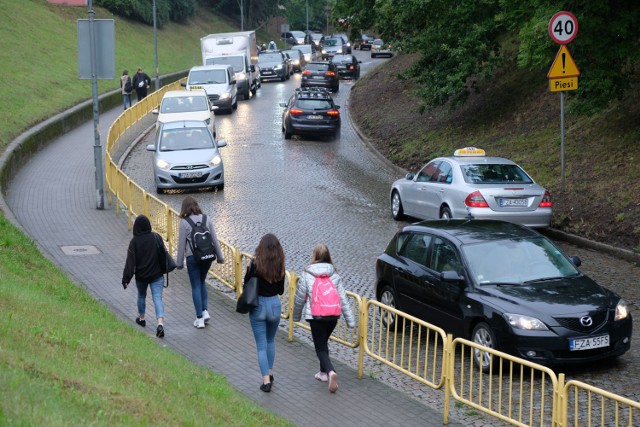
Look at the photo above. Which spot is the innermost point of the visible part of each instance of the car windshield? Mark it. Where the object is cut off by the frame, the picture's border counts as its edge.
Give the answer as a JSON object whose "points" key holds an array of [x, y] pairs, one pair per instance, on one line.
{"points": [[516, 261], [314, 104], [316, 66], [186, 139], [270, 57], [293, 54], [203, 77], [237, 62], [183, 104], [305, 48], [342, 58], [333, 42], [316, 36], [494, 174], [297, 34]]}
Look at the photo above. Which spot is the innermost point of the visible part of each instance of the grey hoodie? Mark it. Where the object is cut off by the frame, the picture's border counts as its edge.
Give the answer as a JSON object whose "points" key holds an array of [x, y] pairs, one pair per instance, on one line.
{"points": [[305, 287]]}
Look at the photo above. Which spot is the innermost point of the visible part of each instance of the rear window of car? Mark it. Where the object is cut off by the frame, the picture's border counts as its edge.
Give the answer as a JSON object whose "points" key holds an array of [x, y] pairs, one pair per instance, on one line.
{"points": [[495, 174], [317, 67], [341, 58], [314, 104], [270, 57], [183, 104]]}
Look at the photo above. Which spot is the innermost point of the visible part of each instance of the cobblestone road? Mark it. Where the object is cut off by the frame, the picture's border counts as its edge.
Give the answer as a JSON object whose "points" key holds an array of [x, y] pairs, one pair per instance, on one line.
{"points": [[308, 191]]}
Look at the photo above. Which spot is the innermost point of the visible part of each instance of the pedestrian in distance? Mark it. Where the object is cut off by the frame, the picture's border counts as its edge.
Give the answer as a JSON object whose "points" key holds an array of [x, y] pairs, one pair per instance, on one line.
{"points": [[321, 272], [268, 266], [141, 83], [191, 213], [143, 263], [127, 87]]}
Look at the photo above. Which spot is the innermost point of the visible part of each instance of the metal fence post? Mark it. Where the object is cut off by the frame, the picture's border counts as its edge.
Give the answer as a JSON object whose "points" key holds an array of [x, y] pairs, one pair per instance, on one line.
{"points": [[363, 323]]}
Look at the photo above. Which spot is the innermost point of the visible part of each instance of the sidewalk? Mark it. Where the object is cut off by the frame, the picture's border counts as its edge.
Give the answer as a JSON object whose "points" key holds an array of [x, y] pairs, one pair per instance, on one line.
{"points": [[54, 199]]}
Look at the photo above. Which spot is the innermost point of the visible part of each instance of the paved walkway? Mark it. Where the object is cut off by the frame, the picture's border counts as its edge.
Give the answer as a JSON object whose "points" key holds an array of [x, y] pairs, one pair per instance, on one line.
{"points": [[54, 199]]}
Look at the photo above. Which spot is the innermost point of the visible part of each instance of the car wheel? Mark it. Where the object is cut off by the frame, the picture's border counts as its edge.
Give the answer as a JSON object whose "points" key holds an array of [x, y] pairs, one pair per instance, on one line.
{"points": [[445, 213], [484, 336], [335, 89], [287, 135], [388, 297], [336, 135], [247, 94], [283, 78], [396, 206], [159, 190], [219, 187], [234, 106], [372, 55]]}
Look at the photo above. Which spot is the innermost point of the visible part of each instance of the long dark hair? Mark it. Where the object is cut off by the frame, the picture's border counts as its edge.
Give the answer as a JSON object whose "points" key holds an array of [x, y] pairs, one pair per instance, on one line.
{"points": [[269, 259], [321, 254], [190, 207]]}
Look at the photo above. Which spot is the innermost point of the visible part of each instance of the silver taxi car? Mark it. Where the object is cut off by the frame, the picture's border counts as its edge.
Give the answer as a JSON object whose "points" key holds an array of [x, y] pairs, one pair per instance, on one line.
{"points": [[471, 185]]}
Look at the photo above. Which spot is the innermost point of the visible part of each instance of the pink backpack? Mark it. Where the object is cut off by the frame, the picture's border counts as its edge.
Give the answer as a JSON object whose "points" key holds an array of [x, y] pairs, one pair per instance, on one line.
{"points": [[325, 300]]}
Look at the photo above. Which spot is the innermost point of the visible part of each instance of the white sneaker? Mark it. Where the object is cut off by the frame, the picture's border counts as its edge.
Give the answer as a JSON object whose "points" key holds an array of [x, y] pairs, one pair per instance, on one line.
{"points": [[199, 323], [333, 382], [205, 316]]}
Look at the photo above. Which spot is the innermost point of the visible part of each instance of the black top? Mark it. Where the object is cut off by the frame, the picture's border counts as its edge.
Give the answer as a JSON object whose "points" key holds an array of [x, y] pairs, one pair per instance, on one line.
{"points": [[142, 255], [265, 289]]}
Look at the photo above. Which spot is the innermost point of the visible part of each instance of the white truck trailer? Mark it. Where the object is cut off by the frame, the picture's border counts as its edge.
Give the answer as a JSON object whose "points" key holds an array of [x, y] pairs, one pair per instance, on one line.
{"points": [[239, 50]]}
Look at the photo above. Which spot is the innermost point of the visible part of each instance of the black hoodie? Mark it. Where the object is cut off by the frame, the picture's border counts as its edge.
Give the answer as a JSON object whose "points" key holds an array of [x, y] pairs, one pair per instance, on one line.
{"points": [[142, 255]]}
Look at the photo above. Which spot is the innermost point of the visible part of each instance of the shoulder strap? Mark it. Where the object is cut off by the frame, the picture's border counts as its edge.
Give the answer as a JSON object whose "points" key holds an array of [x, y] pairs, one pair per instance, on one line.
{"points": [[204, 220], [190, 221]]}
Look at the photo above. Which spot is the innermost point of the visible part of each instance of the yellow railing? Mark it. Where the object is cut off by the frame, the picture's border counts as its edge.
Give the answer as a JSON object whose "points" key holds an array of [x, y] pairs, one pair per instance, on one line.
{"points": [[513, 390]]}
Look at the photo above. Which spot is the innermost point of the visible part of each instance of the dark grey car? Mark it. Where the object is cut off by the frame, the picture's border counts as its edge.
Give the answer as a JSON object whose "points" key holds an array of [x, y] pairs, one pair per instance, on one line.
{"points": [[274, 65]]}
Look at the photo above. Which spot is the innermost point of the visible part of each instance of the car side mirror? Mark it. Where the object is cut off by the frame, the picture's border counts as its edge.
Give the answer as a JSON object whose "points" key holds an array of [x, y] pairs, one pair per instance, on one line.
{"points": [[214, 107], [154, 111], [151, 147], [283, 105], [252, 68], [337, 107], [232, 82], [575, 260], [451, 276], [221, 143], [183, 84], [409, 176]]}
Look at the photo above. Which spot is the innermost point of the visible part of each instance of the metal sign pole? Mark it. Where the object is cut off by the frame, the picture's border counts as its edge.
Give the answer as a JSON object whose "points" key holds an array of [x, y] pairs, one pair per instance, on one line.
{"points": [[97, 147], [562, 141], [155, 44]]}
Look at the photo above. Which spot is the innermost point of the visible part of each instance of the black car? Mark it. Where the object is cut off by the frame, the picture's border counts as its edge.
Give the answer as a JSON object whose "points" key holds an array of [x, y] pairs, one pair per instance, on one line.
{"points": [[366, 41], [504, 286], [321, 74], [348, 66], [274, 64], [310, 112]]}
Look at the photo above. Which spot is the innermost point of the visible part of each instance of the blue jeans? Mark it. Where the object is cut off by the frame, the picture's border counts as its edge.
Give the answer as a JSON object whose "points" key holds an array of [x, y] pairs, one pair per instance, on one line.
{"points": [[265, 319], [156, 293], [126, 97], [197, 275]]}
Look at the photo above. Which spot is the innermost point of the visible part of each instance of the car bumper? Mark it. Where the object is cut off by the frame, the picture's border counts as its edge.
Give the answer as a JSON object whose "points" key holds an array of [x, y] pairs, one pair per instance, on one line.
{"points": [[314, 129], [223, 104], [350, 74], [551, 348], [540, 218], [277, 74], [170, 179]]}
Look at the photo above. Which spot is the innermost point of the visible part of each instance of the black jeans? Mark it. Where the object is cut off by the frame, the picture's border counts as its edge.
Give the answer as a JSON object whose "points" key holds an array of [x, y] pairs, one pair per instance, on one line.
{"points": [[321, 330]]}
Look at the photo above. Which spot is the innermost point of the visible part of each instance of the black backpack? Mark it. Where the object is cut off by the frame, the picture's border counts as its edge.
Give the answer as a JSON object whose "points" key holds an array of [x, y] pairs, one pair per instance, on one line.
{"points": [[201, 241], [127, 85]]}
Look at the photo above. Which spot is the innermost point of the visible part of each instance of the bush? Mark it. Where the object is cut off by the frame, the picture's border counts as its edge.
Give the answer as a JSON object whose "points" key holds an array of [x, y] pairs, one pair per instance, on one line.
{"points": [[142, 10]]}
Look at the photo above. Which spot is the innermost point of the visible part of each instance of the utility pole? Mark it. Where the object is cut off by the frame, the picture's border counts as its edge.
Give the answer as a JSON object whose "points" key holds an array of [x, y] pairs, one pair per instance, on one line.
{"points": [[97, 147], [155, 44], [241, 15], [307, 3]]}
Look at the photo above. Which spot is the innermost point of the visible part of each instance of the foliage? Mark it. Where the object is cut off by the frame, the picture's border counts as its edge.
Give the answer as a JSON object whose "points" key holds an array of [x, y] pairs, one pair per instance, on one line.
{"points": [[142, 10], [462, 42]]}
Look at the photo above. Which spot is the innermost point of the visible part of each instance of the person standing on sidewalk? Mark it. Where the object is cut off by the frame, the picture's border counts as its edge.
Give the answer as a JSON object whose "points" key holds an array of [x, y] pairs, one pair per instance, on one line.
{"points": [[321, 328], [144, 263], [197, 270], [141, 83], [127, 88], [268, 266]]}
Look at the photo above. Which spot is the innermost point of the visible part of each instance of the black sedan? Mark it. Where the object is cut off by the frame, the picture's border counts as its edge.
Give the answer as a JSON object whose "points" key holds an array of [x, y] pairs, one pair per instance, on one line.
{"points": [[348, 66], [321, 74], [504, 286]]}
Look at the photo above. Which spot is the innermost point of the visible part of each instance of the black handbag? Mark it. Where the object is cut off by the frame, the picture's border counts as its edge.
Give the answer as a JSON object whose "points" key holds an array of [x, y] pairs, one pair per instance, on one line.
{"points": [[167, 263], [249, 296]]}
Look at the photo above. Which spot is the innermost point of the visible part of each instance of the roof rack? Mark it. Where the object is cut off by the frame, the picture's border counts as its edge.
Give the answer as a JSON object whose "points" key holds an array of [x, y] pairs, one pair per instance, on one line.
{"points": [[313, 92]]}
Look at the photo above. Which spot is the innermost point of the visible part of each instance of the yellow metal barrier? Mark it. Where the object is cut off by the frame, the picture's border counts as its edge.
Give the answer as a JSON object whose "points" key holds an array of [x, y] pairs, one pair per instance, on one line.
{"points": [[514, 390], [406, 343], [585, 405]]}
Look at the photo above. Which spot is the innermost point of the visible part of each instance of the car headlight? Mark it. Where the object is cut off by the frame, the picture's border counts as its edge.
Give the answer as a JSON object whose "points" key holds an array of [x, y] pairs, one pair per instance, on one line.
{"points": [[215, 161], [162, 164], [528, 323], [621, 310], [324, 50], [241, 76], [225, 95], [278, 67]]}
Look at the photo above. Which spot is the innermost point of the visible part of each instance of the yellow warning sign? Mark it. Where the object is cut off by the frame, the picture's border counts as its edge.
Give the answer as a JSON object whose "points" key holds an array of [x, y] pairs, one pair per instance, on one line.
{"points": [[563, 66]]}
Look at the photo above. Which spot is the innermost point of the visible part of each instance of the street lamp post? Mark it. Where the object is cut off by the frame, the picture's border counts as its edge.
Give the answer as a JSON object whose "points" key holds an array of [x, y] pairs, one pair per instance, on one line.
{"points": [[241, 15], [155, 44], [307, 4]]}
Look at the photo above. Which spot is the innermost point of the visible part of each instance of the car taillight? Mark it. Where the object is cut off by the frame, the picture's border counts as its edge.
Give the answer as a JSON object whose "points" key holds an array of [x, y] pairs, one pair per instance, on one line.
{"points": [[295, 111], [475, 200], [351, 67], [546, 201], [329, 74], [333, 113], [306, 73]]}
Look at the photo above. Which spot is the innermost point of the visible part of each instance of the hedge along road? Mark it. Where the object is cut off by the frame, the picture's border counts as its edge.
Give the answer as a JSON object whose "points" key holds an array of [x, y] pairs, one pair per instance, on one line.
{"points": [[308, 191]]}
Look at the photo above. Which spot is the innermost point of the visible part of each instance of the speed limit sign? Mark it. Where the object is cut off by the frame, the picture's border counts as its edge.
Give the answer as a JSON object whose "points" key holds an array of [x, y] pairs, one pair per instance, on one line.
{"points": [[563, 27]]}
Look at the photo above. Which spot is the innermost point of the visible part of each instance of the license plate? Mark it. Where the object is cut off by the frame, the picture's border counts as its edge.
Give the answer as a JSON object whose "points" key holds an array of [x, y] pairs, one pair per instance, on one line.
{"points": [[190, 174], [314, 117], [589, 343], [318, 77], [513, 202]]}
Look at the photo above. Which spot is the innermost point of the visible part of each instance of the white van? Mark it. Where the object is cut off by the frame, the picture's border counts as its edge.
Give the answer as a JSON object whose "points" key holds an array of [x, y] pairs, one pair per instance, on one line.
{"points": [[218, 81]]}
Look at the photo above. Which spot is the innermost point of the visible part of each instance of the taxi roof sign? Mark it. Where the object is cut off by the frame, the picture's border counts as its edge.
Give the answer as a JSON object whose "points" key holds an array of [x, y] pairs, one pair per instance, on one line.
{"points": [[470, 152], [563, 66]]}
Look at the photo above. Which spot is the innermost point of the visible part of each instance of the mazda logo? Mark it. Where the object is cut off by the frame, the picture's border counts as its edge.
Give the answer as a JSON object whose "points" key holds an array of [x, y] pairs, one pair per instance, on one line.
{"points": [[586, 321]]}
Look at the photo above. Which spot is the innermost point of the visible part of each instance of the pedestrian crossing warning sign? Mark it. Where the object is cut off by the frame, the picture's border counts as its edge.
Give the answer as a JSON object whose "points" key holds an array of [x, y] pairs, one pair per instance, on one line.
{"points": [[563, 66]]}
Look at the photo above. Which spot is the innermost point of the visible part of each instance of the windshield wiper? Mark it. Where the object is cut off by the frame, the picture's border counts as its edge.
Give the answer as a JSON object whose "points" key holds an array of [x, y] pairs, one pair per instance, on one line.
{"points": [[501, 283], [544, 279]]}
